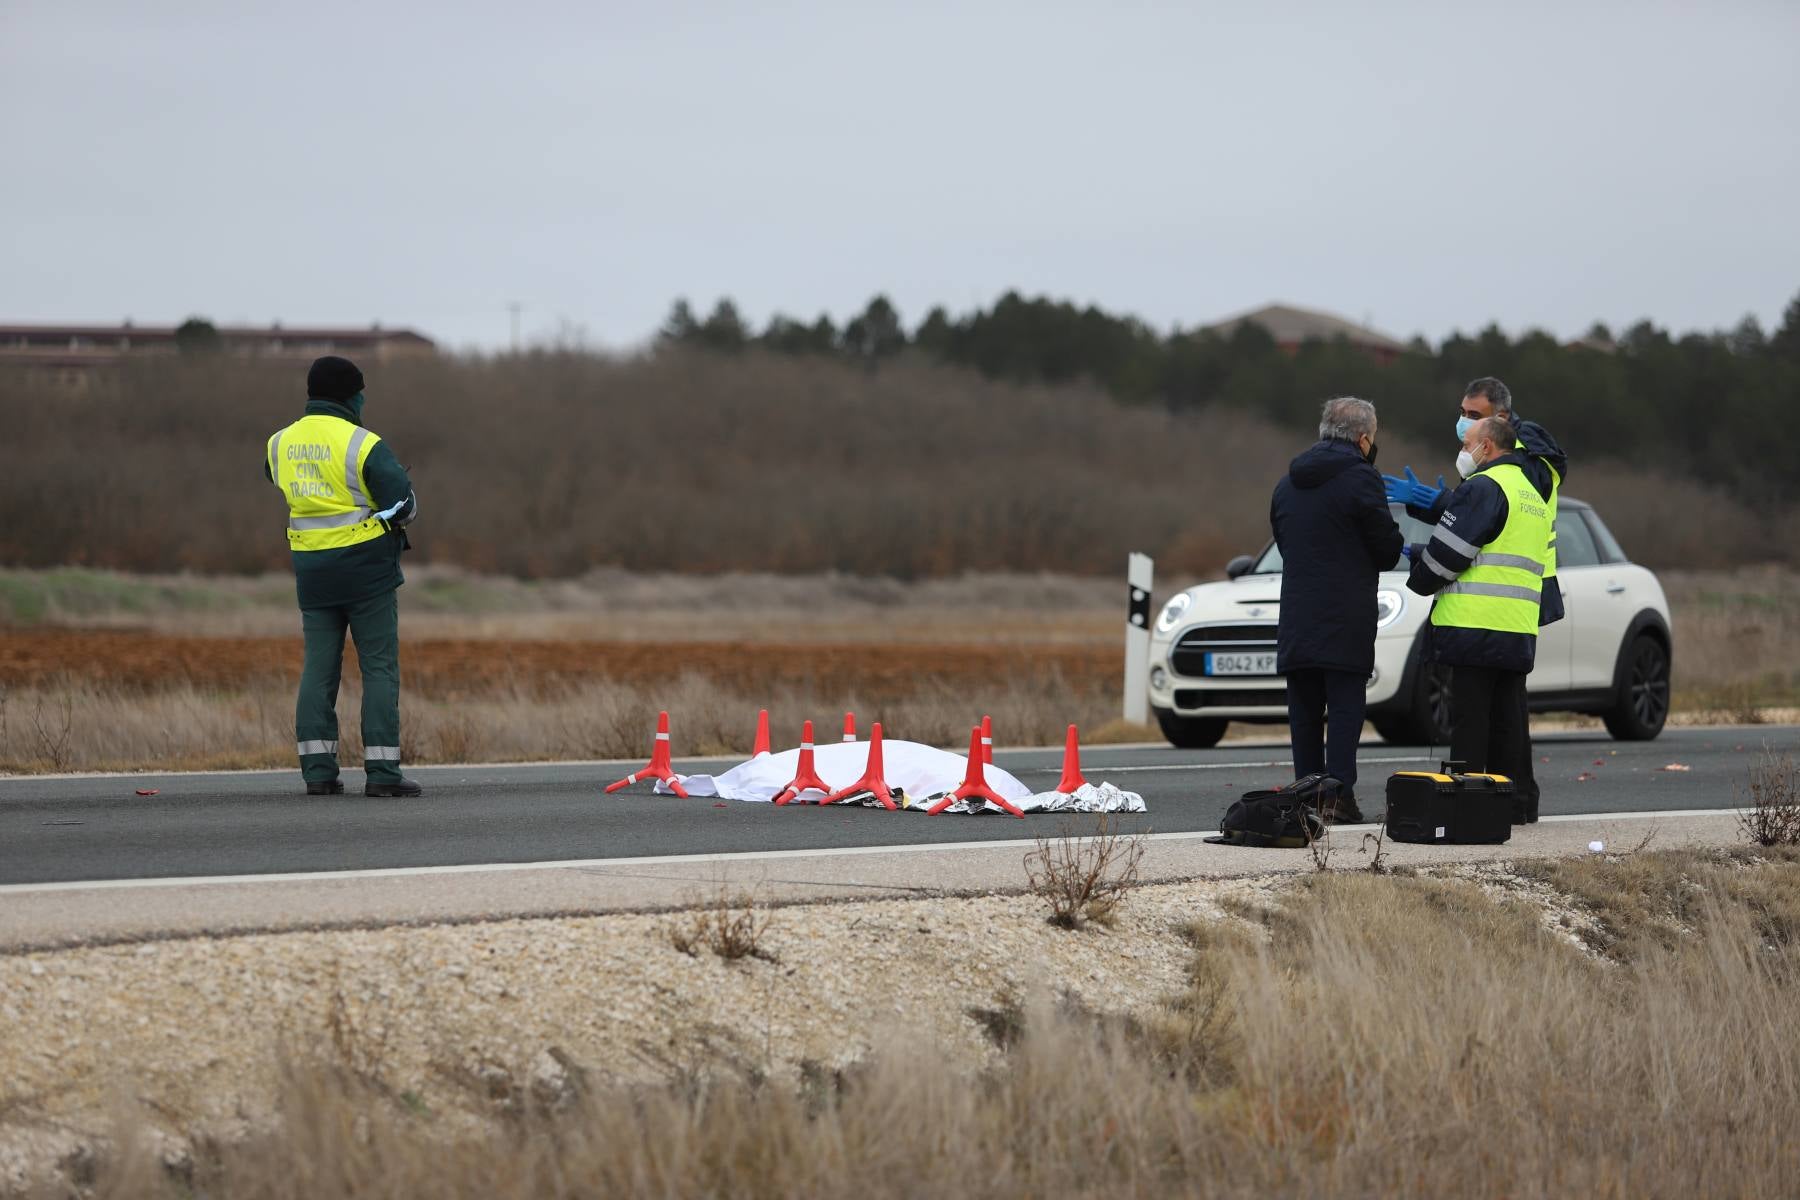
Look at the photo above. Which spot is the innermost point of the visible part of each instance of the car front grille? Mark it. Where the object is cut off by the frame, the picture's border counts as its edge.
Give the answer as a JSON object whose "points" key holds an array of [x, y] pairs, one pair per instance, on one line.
{"points": [[1189, 655], [1191, 698]]}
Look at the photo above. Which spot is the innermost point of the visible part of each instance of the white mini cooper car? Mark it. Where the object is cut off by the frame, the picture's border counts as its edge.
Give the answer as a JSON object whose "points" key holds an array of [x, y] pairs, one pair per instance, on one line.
{"points": [[1212, 650]]}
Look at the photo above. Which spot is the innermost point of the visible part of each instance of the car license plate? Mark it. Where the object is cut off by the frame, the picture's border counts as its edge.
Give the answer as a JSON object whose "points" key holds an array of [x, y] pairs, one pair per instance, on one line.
{"points": [[1260, 663]]}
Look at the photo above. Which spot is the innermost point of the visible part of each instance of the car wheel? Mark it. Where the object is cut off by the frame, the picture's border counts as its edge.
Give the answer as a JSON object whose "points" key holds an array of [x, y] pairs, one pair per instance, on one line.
{"points": [[1643, 692], [1190, 733], [1437, 712], [1429, 717]]}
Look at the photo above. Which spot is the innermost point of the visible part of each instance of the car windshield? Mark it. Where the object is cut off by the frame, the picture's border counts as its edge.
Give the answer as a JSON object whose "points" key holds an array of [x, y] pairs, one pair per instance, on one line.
{"points": [[1414, 531]]}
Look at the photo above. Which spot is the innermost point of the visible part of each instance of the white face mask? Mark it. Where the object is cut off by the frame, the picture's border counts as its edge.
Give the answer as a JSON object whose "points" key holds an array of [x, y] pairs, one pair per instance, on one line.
{"points": [[1466, 464]]}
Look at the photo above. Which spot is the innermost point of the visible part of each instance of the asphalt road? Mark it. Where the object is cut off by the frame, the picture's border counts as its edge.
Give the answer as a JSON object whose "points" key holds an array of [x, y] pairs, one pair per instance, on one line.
{"points": [[97, 827]]}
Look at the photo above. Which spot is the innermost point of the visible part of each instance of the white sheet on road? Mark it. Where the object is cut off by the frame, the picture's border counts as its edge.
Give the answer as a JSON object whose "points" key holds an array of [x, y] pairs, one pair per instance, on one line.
{"points": [[922, 772]]}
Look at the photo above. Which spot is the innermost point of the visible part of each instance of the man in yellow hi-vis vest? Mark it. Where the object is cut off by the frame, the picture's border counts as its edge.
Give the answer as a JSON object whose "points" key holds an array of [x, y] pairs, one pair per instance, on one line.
{"points": [[1486, 562], [1548, 468], [349, 501]]}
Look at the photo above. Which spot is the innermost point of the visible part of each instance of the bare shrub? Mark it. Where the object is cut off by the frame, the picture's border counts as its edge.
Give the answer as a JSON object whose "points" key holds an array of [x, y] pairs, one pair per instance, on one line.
{"points": [[53, 732], [1319, 847], [729, 926], [1375, 846], [1083, 879], [1772, 816]]}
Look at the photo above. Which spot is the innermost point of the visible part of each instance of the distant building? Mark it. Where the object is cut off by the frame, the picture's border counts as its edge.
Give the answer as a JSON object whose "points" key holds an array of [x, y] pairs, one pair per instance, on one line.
{"points": [[1598, 343], [69, 352], [1290, 326]]}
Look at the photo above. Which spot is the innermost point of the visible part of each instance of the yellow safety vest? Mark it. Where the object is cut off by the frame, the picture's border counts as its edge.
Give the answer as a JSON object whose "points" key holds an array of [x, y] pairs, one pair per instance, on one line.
{"points": [[1502, 588], [317, 462], [1550, 555], [1555, 490]]}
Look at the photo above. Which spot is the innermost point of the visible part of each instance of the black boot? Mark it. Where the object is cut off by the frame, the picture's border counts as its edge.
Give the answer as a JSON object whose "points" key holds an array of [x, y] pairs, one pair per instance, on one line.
{"points": [[330, 787], [1340, 807], [400, 787]]}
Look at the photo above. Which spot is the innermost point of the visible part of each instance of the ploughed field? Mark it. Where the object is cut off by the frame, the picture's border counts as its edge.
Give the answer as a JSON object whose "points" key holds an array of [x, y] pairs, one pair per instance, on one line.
{"points": [[107, 671], [445, 667]]}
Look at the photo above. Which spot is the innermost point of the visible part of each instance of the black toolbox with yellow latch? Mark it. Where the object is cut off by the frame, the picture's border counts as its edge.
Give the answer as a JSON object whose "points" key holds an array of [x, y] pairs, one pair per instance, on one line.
{"points": [[1449, 806]]}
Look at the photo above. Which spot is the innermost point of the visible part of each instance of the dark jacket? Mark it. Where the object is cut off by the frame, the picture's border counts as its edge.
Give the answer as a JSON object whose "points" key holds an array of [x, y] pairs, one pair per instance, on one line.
{"points": [[334, 578], [1475, 515], [1331, 520], [1542, 453]]}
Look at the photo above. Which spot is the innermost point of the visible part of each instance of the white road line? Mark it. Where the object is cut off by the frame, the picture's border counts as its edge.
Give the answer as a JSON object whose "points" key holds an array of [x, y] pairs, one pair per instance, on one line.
{"points": [[1226, 766], [579, 864]]}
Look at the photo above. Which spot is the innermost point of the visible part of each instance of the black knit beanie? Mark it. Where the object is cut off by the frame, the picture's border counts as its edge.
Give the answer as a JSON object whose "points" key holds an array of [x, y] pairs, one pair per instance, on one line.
{"points": [[333, 378]]}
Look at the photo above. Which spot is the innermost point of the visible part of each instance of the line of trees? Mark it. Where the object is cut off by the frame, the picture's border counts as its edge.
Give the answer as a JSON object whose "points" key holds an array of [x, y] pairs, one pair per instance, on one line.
{"points": [[550, 464], [1711, 406]]}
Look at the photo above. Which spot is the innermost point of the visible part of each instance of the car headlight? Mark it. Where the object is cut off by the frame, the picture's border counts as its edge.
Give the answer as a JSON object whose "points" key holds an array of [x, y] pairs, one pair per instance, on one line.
{"points": [[1171, 613], [1388, 607]]}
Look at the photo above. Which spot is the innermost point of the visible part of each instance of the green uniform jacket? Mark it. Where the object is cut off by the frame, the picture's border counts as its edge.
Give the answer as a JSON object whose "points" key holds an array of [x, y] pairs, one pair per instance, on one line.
{"points": [[335, 578]]}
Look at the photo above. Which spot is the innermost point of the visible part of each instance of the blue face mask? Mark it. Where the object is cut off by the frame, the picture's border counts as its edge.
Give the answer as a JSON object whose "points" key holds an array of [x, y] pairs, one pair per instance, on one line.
{"points": [[1462, 427]]}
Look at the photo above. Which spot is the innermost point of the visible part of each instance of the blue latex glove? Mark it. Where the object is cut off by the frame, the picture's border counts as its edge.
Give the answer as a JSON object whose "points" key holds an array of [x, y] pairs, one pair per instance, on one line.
{"points": [[1406, 552], [1411, 490]]}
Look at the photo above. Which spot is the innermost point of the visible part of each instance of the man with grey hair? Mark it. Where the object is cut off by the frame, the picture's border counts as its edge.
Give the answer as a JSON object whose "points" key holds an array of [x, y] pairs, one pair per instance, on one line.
{"points": [[1331, 522]]}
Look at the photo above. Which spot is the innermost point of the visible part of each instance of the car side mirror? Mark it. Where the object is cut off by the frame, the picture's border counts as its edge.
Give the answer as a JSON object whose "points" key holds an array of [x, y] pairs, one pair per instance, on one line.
{"points": [[1239, 566]]}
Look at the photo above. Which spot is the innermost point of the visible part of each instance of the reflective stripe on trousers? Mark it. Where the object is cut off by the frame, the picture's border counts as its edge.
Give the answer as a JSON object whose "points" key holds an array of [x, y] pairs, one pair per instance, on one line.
{"points": [[317, 746]]}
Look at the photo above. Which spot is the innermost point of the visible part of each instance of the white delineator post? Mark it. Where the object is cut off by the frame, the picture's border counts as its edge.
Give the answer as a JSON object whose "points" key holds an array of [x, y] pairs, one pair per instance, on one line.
{"points": [[1140, 575]]}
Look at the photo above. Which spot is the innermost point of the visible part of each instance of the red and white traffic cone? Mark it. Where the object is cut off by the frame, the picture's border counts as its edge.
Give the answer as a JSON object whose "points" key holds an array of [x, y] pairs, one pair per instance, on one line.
{"points": [[987, 741], [1072, 777], [975, 782], [762, 734], [849, 727], [806, 779], [660, 766], [871, 780]]}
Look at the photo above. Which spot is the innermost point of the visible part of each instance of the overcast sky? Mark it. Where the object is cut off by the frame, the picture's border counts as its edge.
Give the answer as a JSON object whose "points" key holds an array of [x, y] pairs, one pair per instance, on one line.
{"points": [[1427, 167]]}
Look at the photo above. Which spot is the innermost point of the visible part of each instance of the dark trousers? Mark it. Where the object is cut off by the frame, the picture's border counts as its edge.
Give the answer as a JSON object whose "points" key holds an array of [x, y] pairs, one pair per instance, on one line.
{"points": [[375, 624], [1526, 780], [1491, 734], [1318, 698]]}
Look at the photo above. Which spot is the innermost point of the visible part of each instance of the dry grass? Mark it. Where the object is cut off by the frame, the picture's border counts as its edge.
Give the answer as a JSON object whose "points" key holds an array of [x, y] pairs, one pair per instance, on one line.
{"points": [[1737, 640], [1083, 879], [1389, 1036], [191, 728]]}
